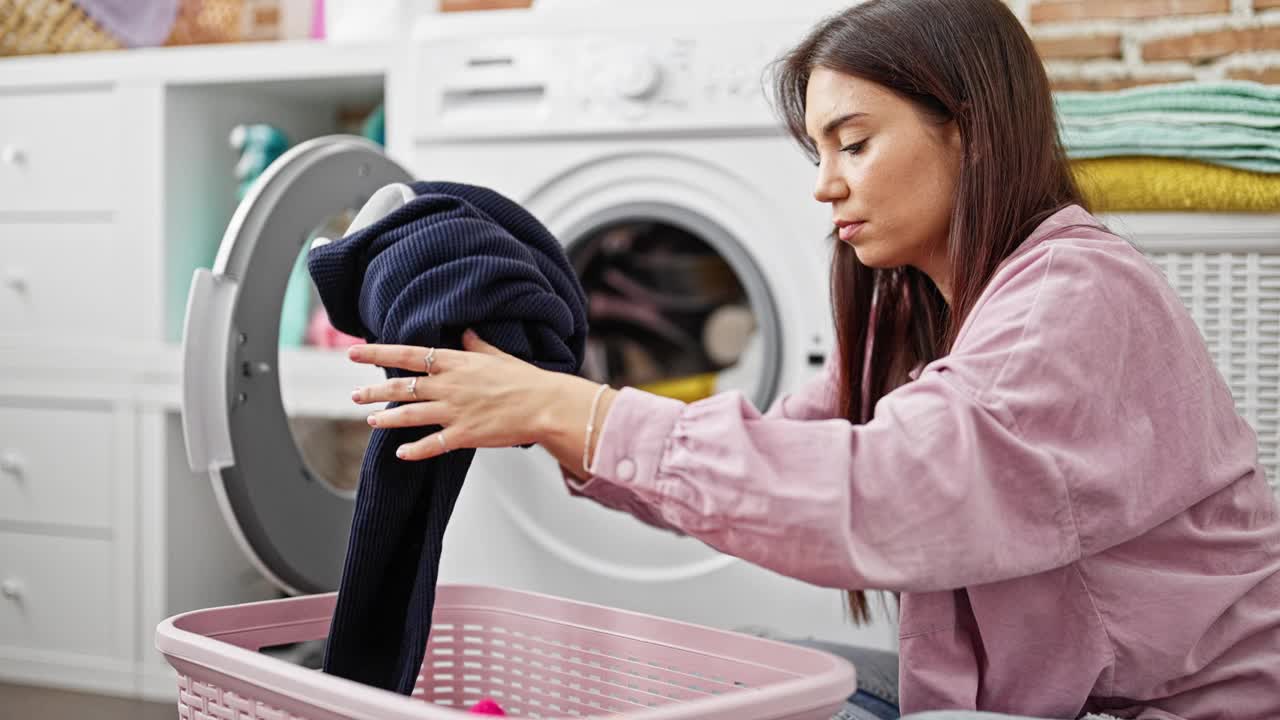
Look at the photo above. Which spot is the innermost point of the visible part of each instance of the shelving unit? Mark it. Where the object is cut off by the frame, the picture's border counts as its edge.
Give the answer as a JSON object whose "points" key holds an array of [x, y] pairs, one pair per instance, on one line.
{"points": [[120, 182]]}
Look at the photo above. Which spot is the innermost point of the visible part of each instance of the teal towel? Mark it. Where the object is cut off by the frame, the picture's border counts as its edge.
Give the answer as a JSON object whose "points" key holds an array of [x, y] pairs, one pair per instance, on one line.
{"points": [[1231, 123], [1230, 96], [1175, 118], [1246, 148]]}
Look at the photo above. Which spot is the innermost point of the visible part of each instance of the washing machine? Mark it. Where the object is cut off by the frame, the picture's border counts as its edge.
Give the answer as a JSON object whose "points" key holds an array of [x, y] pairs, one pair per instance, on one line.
{"points": [[641, 139], [644, 141]]}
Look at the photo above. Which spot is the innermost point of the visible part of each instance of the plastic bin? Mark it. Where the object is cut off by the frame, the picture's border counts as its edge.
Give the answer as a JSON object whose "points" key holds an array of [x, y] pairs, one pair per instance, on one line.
{"points": [[536, 655]]}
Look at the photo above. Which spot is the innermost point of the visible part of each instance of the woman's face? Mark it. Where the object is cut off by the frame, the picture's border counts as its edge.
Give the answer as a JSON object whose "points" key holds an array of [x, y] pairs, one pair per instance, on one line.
{"points": [[885, 167]]}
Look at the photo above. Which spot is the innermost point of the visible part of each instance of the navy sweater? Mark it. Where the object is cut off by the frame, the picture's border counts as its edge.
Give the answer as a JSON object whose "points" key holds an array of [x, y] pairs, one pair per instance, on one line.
{"points": [[455, 257]]}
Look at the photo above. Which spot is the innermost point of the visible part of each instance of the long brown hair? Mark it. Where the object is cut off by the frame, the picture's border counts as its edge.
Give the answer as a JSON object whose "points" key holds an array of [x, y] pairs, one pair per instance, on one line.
{"points": [[968, 61]]}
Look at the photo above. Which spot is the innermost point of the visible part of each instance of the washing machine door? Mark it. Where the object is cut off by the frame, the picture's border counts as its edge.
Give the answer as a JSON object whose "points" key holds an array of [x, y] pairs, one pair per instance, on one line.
{"points": [[293, 526]]}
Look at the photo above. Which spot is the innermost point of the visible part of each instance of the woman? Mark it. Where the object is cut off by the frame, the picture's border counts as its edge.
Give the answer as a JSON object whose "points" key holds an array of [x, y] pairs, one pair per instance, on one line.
{"points": [[1022, 433]]}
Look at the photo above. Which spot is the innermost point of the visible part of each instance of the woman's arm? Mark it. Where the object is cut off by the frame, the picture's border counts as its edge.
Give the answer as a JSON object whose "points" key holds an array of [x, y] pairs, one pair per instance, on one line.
{"points": [[935, 492], [562, 425], [816, 399], [1077, 410]]}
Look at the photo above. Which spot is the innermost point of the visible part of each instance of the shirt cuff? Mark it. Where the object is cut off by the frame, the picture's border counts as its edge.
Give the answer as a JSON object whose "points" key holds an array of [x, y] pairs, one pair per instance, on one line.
{"points": [[632, 444]]}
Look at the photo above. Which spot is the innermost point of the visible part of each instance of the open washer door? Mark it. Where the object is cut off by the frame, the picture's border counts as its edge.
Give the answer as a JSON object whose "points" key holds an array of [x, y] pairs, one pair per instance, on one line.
{"points": [[292, 526]]}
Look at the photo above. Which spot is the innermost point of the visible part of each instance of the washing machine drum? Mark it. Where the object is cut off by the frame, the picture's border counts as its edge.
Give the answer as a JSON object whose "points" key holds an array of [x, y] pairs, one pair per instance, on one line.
{"points": [[292, 525]]}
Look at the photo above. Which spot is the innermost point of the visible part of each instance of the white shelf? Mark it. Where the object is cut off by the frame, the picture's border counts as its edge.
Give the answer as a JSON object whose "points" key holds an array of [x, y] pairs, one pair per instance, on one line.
{"points": [[301, 67], [1192, 231], [314, 382], [318, 382]]}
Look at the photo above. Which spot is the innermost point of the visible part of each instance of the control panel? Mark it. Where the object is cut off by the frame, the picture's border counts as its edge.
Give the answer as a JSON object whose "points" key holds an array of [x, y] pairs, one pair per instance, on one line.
{"points": [[545, 79]]}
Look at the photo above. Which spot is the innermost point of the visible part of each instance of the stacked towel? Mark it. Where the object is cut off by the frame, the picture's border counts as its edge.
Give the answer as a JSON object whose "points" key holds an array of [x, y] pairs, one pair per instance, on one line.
{"points": [[1172, 184], [455, 257], [1231, 123]]}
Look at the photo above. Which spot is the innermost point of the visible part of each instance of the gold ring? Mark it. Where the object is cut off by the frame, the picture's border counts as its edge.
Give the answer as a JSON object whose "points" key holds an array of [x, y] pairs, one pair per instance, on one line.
{"points": [[413, 387], [431, 357]]}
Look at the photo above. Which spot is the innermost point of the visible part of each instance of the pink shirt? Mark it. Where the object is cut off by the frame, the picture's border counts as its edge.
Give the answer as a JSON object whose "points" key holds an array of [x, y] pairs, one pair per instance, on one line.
{"points": [[1068, 502]]}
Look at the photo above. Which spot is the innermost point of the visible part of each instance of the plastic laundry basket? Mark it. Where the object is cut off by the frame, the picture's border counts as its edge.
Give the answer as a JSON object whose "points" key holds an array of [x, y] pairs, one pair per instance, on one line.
{"points": [[537, 655]]}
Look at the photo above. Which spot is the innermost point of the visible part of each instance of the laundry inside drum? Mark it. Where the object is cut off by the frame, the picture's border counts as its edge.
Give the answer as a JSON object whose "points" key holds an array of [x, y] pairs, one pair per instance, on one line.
{"points": [[667, 312]]}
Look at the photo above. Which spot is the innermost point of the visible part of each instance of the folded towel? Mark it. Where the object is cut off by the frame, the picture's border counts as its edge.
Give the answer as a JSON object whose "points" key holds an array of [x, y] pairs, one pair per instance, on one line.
{"points": [[1230, 96], [1246, 148], [1152, 184], [1174, 118], [455, 257]]}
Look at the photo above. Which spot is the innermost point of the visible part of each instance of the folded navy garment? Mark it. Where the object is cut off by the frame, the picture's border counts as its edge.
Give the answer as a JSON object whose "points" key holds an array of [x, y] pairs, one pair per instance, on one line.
{"points": [[455, 257]]}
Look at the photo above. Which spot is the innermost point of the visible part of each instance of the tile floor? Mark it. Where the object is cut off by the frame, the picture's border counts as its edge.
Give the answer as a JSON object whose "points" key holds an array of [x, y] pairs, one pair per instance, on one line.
{"points": [[20, 702]]}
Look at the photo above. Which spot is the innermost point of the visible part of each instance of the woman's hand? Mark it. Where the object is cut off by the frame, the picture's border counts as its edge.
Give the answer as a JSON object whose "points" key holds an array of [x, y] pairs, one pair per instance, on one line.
{"points": [[482, 397]]}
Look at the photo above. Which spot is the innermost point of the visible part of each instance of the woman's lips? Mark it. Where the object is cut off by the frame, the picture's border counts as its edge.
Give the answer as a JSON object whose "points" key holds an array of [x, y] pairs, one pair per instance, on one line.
{"points": [[847, 230]]}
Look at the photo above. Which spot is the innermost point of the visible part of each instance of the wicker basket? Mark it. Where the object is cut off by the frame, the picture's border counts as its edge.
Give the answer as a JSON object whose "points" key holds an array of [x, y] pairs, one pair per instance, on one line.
{"points": [[222, 21], [28, 27], [55, 26]]}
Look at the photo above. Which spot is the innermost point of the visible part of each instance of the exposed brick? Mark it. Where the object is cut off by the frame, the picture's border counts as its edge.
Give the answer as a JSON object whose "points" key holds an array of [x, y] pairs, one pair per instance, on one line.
{"points": [[1260, 5], [1080, 46], [1111, 83], [1208, 45], [1270, 75], [1068, 10]]}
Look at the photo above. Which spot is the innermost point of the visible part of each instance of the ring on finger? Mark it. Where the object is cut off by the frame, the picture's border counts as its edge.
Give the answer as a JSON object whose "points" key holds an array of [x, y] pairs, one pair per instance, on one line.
{"points": [[444, 447], [431, 357], [413, 387]]}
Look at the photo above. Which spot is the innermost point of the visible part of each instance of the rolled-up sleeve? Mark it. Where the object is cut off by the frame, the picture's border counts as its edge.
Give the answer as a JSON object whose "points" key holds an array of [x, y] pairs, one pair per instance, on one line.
{"points": [[892, 504], [626, 419], [816, 398]]}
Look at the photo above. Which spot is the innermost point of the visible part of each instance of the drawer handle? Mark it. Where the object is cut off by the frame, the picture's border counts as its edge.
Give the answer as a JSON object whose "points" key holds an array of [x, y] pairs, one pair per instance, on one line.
{"points": [[11, 464], [15, 279], [12, 155], [11, 588]]}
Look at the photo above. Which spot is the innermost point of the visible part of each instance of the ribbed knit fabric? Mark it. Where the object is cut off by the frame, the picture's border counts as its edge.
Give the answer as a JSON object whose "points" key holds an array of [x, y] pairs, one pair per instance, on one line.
{"points": [[456, 257]]}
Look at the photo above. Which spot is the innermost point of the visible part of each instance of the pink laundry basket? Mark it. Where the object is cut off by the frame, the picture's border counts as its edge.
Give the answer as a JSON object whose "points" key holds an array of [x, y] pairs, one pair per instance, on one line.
{"points": [[537, 655]]}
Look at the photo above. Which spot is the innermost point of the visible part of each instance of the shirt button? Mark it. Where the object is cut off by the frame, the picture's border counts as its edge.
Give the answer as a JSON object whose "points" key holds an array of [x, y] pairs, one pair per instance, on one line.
{"points": [[626, 469]]}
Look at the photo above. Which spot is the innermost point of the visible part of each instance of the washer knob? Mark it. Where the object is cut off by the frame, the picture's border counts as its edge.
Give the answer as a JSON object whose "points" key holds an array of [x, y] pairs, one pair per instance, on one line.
{"points": [[638, 78]]}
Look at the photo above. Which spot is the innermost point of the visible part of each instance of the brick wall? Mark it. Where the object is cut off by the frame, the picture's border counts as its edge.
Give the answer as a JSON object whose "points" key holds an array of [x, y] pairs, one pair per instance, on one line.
{"points": [[1110, 44]]}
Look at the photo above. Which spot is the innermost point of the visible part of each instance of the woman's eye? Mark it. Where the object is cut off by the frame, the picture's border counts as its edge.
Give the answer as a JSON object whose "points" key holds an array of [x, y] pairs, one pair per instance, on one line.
{"points": [[853, 148]]}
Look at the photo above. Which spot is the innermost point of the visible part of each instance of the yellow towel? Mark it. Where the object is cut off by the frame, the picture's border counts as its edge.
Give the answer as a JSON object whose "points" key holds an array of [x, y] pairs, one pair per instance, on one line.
{"points": [[1153, 183], [688, 389]]}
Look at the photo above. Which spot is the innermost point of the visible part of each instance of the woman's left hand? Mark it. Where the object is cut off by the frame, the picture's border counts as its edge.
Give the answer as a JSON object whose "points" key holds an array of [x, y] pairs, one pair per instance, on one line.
{"points": [[481, 396]]}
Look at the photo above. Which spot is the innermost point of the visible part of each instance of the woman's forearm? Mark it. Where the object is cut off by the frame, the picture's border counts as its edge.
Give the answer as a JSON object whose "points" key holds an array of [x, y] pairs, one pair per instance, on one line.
{"points": [[565, 413]]}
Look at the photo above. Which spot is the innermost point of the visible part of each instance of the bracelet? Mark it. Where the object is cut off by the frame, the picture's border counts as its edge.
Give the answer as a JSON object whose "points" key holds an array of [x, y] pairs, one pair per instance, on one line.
{"points": [[591, 426]]}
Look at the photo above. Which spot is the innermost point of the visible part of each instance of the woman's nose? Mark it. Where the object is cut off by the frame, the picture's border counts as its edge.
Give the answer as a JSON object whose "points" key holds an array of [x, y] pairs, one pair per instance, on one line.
{"points": [[829, 187]]}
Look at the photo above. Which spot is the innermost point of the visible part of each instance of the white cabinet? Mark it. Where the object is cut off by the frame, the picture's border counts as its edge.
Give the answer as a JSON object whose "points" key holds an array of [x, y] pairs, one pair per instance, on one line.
{"points": [[116, 181], [57, 466], [57, 594], [67, 540], [69, 280], [60, 151]]}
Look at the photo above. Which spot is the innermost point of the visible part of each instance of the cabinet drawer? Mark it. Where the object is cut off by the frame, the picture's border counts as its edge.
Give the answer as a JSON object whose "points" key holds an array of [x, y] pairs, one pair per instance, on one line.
{"points": [[68, 281], [57, 466], [60, 151], [57, 594]]}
